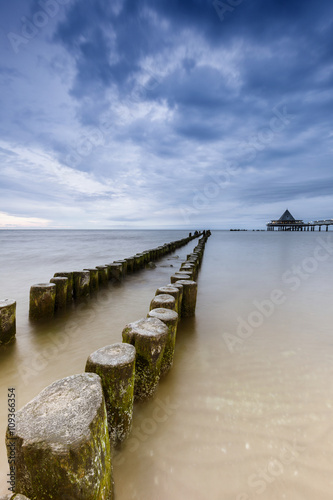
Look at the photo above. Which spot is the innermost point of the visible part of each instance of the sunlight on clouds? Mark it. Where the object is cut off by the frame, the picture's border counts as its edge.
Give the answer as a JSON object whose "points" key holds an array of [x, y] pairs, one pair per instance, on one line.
{"points": [[13, 221], [38, 167]]}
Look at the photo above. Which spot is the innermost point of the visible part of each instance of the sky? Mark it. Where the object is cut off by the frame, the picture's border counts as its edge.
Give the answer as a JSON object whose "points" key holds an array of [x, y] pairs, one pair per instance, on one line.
{"points": [[165, 113]]}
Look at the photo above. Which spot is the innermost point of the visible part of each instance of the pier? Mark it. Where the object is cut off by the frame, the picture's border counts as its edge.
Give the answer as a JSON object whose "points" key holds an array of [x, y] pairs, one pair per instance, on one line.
{"points": [[288, 223]]}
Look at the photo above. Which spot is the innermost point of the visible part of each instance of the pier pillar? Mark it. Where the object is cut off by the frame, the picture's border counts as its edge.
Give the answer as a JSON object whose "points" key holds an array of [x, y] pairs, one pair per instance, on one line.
{"points": [[42, 301], [115, 364], [326, 228], [7, 321], [170, 319], [62, 448], [319, 228], [149, 337]]}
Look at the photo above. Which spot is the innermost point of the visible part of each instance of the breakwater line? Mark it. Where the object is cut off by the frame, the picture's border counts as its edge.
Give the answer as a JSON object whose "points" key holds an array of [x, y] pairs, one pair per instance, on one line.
{"points": [[68, 288], [151, 338]]}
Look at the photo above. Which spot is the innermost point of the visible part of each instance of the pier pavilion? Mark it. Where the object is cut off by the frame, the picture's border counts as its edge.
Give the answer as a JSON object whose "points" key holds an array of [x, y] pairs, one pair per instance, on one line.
{"points": [[287, 223]]}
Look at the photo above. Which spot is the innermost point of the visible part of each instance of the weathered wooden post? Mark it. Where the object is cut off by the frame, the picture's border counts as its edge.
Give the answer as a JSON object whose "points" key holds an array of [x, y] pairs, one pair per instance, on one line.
{"points": [[115, 271], [103, 275], [130, 264], [70, 284], [123, 266], [115, 364], [149, 337], [42, 301], [188, 269], [61, 440], [189, 297], [138, 261], [94, 279], [170, 290], [61, 284], [179, 276], [163, 300], [81, 288], [170, 319], [7, 321]]}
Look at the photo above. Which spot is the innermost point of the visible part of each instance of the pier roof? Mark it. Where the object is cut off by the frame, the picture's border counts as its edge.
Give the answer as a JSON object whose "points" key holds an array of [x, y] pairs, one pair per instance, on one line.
{"points": [[286, 217]]}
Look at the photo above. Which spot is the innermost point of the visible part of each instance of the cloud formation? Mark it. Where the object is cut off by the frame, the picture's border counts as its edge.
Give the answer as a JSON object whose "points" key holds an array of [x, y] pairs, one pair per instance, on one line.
{"points": [[166, 114]]}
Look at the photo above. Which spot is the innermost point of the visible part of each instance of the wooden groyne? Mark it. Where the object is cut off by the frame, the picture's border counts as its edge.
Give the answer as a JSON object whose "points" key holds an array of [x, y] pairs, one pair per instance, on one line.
{"points": [[63, 439], [48, 299]]}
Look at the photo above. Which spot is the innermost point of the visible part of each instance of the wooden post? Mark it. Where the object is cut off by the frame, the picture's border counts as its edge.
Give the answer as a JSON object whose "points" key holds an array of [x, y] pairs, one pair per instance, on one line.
{"points": [[7, 321]]}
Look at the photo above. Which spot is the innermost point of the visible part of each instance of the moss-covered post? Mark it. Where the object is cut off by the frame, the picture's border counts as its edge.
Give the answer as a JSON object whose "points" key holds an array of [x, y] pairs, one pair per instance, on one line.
{"points": [[179, 276], [180, 300], [170, 290], [61, 440], [115, 364], [163, 300], [42, 301], [149, 337], [94, 279], [123, 266], [70, 284], [103, 275], [130, 264], [188, 269], [170, 319], [115, 271], [61, 284], [189, 297], [81, 289], [138, 261], [7, 321]]}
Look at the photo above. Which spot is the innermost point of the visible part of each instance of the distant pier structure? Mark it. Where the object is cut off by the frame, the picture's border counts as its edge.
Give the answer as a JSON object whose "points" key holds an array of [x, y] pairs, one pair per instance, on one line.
{"points": [[287, 223]]}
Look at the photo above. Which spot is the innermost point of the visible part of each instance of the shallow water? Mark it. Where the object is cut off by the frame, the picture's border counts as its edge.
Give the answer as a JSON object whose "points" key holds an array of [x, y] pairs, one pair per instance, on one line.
{"points": [[246, 411]]}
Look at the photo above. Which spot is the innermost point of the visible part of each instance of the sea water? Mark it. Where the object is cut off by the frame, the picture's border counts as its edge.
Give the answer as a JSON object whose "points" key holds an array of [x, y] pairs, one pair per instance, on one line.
{"points": [[246, 411]]}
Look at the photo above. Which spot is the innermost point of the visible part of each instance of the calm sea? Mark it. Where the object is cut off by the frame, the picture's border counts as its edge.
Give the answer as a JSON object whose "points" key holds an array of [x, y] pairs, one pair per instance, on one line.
{"points": [[247, 410]]}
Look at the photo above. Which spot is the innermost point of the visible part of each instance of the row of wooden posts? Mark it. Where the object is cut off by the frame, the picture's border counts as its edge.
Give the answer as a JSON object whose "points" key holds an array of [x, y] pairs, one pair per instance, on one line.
{"points": [[46, 299], [63, 439], [66, 288]]}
